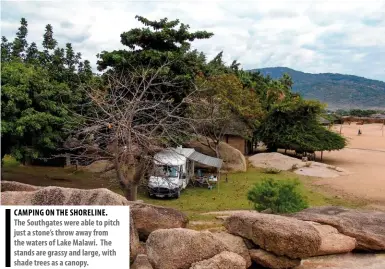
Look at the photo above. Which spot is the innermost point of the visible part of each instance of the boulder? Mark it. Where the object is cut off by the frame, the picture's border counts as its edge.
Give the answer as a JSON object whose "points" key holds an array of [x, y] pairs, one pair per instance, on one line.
{"points": [[269, 260], [17, 186], [235, 244], [63, 196], [345, 261], [224, 260], [134, 241], [233, 159], [141, 262], [332, 242], [367, 227], [278, 234], [179, 248], [149, 218]]}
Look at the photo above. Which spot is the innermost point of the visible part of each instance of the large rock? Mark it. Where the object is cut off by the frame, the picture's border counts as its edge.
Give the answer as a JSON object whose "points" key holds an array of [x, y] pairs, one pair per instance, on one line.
{"points": [[179, 248], [224, 260], [278, 234], [149, 218], [332, 242], [134, 241], [269, 260], [235, 244], [233, 159], [63, 196], [17, 186], [345, 261], [141, 262], [367, 227]]}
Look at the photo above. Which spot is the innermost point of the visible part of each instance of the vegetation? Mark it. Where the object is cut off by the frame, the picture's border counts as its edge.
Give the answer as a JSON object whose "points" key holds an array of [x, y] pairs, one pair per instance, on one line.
{"points": [[53, 104], [294, 125], [337, 90], [39, 88], [277, 196], [358, 112]]}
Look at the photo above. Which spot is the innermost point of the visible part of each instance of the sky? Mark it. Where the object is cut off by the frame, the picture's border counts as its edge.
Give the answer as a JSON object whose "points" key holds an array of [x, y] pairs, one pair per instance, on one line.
{"points": [[313, 36]]}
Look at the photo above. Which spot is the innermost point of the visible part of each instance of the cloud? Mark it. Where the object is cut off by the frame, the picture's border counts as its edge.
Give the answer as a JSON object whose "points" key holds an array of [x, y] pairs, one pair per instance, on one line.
{"points": [[339, 36]]}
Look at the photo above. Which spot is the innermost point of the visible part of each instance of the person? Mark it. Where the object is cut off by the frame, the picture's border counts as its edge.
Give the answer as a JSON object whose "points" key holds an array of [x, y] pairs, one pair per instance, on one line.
{"points": [[359, 132]]}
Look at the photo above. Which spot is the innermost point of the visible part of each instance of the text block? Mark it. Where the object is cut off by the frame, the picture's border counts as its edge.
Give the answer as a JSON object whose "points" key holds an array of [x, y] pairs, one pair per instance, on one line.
{"points": [[65, 236]]}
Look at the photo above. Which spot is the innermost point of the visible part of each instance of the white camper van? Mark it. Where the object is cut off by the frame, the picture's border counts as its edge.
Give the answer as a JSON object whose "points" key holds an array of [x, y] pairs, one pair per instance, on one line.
{"points": [[173, 170]]}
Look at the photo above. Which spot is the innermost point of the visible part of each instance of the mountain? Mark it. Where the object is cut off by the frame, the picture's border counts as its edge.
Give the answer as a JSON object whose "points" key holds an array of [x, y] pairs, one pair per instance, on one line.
{"points": [[337, 90]]}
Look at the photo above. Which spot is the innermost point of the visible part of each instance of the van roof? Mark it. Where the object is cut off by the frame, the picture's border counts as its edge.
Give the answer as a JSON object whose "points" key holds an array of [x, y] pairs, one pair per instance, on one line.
{"points": [[173, 156], [178, 156]]}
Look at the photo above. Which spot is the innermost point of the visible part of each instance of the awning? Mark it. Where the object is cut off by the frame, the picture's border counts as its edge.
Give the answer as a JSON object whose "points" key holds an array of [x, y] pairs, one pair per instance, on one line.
{"points": [[206, 160]]}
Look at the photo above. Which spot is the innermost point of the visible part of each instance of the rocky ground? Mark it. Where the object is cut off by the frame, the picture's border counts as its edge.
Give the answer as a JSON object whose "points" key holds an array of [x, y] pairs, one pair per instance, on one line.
{"points": [[320, 237]]}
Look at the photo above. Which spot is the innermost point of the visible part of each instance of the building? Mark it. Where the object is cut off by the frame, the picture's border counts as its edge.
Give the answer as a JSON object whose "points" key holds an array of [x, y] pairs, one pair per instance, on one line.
{"points": [[239, 135]]}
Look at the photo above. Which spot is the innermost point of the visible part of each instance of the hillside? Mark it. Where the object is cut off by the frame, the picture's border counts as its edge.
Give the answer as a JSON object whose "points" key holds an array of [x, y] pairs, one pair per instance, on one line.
{"points": [[337, 90]]}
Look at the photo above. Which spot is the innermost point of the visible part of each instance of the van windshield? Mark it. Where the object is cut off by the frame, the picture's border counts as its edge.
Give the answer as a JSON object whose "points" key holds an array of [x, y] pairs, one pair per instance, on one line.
{"points": [[166, 171]]}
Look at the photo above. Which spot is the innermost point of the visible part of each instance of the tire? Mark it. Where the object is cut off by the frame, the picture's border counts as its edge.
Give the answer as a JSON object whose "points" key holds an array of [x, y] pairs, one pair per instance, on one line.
{"points": [[177, 195]]}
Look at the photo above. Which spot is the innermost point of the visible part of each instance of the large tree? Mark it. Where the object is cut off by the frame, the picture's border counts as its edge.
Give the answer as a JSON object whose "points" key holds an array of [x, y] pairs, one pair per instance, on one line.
{"points": [[39, 88], [158, 42], [294, 125], [131, 118], [223, 105]]}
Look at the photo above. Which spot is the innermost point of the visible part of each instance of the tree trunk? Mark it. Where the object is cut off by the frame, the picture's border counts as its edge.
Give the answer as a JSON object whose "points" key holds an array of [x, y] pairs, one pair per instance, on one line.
{"points": [[131, 192]]}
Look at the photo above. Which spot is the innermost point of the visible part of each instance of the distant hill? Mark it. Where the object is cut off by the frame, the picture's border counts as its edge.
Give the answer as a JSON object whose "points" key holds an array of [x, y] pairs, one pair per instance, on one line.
{"points": [[337, 90]]}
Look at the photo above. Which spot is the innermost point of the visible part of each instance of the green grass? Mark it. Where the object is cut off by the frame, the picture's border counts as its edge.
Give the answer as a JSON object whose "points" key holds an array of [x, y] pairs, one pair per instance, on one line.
{"points": [[229, 195]]}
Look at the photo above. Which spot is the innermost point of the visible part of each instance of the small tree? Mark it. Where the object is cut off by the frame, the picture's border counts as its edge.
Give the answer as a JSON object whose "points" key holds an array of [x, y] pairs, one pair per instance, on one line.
{"points": [[277, 195], [129, 121]]}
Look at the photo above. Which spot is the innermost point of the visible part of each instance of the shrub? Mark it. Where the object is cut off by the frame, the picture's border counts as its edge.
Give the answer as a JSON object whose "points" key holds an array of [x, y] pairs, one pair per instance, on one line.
{"points": [[280, 196]]}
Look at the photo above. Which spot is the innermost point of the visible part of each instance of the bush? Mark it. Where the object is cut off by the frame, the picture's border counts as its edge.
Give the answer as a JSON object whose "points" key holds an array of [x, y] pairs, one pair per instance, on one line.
{"points": [[280, 196]]}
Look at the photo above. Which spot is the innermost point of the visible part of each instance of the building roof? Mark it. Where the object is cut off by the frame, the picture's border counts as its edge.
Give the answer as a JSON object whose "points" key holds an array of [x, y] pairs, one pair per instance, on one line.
{"points": [[322, 120], [238, 127]]}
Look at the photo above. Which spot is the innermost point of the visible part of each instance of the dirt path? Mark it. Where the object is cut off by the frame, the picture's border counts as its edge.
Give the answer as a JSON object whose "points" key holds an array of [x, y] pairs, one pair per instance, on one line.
{"points": [[364, 158]]}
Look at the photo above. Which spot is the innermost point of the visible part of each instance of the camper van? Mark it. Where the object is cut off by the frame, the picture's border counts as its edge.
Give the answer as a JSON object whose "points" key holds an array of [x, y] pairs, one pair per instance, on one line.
{"points": [[173, 169]]}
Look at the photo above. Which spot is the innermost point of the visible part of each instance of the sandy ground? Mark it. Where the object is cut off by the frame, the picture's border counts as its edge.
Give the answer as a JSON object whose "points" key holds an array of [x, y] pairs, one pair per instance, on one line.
{"points": [[364, 158]]}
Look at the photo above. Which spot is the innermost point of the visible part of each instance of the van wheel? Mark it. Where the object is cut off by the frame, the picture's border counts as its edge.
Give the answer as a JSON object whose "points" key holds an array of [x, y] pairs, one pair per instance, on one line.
{"points": [[177, 195]]}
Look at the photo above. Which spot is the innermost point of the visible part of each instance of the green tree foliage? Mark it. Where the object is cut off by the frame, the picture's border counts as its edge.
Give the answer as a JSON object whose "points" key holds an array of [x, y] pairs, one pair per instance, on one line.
{"points": [[155, 44], [39, 88], [293, 124], [33, 111], [279, 196]]}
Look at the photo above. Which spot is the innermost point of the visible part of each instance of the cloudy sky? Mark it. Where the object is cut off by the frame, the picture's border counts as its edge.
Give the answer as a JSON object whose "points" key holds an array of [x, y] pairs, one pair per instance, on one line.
{"points": [[314, 36]]}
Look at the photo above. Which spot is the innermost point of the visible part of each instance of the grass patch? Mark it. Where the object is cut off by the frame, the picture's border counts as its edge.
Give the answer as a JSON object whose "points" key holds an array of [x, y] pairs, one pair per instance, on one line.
{"points": [[231, 195]]}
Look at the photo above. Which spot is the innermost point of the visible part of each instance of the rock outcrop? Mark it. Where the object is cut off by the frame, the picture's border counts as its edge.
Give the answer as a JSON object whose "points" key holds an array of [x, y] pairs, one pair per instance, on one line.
{"points": [[233, 159], [62, 196], [179, 248], [149, 218], [141, 262], [224, 260], [345, 261], [367, 227], [332, 242], [269, 260], [235, 244], [17, 186], [134, 241], [278, 234]]}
